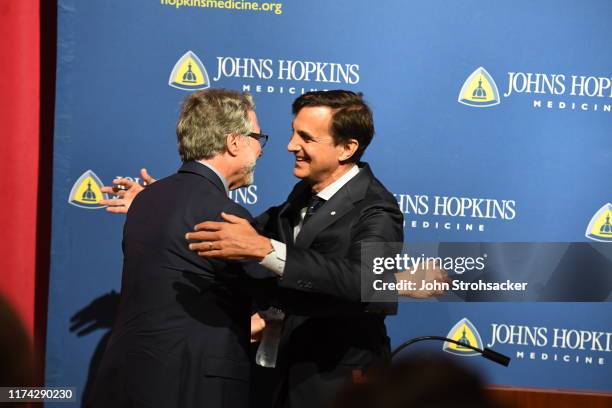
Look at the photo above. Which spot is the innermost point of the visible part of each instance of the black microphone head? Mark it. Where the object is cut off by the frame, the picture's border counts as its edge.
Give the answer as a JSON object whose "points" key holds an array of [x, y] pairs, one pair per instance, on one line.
{"points": [[495, 356]]}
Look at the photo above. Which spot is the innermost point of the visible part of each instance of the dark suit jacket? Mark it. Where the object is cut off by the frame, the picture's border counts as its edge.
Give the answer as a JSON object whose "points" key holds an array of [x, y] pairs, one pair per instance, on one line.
{"points": [[332, 326], [182, 332]]}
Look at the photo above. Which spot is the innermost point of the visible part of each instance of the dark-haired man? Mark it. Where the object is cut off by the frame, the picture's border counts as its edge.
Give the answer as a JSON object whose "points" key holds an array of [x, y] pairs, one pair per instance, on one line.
{"points": [[313, 243]]}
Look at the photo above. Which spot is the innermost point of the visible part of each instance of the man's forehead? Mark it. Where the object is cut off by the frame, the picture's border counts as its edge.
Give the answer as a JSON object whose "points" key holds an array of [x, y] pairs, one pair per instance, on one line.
{"points": [[316, 118]]}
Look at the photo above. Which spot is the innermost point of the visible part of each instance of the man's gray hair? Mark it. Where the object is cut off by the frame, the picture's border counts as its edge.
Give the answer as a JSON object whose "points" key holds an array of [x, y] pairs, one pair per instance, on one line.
{"points": [[207, 117]]}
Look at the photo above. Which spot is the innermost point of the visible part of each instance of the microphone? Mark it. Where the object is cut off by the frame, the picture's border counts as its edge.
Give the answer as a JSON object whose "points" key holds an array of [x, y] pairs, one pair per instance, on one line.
{"points": [[486, 353]]}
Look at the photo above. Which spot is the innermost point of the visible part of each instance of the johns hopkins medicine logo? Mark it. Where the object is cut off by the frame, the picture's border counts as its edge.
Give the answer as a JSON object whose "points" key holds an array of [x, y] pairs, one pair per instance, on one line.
{"points": [[86, 192], [537, 344], [465, 333], [189, 73], [479, 90], [264, 75], [600, 227], [542, 90]]}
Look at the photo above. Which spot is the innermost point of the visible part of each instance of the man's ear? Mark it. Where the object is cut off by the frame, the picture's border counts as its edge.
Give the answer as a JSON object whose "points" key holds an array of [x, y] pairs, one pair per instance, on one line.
{"points": [[232, 143], [348, 149]]}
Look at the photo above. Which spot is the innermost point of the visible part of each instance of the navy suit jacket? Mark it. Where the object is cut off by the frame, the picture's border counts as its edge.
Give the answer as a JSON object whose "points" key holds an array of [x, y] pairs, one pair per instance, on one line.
{"points": [[335, 323], [183, 327]]}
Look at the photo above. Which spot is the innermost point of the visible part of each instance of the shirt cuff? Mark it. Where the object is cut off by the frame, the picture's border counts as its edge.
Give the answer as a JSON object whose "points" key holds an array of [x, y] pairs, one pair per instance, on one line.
{"points": [[275, 260]]}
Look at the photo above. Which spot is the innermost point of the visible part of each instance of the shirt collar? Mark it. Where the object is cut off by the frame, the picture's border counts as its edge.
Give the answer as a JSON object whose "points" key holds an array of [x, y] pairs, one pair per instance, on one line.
{"points": [[329, 191], [223, 180]]}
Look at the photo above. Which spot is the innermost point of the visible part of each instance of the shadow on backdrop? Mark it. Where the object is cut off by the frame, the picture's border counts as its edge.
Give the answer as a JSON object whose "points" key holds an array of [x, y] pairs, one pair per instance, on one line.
{"points": [[99, 314]]}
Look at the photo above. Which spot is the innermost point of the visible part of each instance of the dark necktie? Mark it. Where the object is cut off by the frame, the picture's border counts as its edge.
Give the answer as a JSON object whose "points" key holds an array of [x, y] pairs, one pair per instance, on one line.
{"points": [[312, 206]]}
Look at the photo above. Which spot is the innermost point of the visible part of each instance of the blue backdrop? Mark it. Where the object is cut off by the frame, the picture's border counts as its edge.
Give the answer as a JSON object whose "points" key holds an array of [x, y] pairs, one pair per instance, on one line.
{"points": [[505, 106]]}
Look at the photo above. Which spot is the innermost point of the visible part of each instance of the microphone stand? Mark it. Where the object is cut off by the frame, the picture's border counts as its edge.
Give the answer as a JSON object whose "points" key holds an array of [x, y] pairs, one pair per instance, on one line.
{"points": [[486, 353]]}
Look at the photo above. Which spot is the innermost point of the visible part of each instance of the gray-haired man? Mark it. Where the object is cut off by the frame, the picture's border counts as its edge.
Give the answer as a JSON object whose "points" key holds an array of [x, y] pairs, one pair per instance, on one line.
{"points": [[182, 332]]}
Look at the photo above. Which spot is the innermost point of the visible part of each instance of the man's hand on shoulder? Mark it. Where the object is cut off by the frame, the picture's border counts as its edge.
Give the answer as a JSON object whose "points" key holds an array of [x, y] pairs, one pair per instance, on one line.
{"points": [[235, 238], [125, 191]]}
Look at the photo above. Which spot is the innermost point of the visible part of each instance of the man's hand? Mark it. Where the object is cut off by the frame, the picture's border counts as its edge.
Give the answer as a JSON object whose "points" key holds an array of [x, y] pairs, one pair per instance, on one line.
{"points": [[257, 326], [126, 190], [434, 277], [235, 239]]}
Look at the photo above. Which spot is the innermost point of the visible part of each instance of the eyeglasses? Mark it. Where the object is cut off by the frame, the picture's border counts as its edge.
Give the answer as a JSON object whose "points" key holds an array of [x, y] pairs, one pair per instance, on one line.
{"points": [[260, 137]]}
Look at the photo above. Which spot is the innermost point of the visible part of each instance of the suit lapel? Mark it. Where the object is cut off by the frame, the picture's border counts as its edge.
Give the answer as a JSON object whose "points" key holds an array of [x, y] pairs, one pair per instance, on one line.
{"points": [[290, 210], [329, 212], [284, 224], [339, 205]]}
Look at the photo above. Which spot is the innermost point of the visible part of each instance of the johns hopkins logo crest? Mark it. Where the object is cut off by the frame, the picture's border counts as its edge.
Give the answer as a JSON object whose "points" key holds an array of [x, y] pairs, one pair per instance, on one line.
{"points": [[86, 192], [600, 227], [479, 90], [189, 74], [465, 333]]}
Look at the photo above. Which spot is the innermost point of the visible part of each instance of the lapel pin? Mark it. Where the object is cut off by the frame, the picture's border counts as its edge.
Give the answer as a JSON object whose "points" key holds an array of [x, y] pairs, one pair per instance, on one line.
{"points": [[333, 213]]}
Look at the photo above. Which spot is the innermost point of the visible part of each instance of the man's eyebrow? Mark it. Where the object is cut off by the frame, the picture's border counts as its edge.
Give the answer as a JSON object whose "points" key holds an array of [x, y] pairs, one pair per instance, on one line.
{"points": [[305, 135]]}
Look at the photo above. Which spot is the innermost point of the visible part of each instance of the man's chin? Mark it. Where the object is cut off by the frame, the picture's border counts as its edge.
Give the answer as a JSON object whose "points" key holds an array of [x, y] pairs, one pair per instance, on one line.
{"points": [[299, 173], [250, 180], [249, 175]]}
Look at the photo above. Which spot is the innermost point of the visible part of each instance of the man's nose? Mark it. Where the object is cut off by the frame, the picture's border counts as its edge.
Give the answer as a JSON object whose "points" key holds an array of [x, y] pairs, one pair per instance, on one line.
{"points": [[292, 146]]}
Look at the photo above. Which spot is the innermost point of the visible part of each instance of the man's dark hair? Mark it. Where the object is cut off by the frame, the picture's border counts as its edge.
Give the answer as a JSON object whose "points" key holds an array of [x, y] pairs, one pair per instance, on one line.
{"points": [[351, 116]]}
